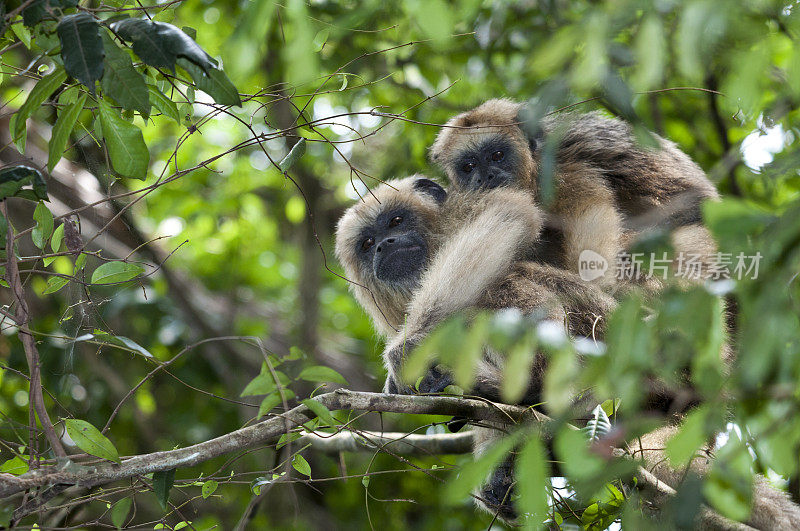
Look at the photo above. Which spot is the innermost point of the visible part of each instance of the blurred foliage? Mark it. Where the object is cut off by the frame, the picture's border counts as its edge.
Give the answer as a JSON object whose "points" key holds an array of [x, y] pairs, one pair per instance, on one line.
{"points": [[216, 241]]}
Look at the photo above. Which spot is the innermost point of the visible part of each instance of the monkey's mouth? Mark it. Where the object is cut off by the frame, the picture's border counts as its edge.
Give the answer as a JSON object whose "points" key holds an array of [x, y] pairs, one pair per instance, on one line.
{"points": [[401, 265]]}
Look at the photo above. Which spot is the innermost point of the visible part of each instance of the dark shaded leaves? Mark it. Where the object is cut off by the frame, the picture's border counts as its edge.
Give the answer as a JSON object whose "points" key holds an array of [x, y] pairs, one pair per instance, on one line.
{"points": [[36, 10], [162, 484], [213, 82], [81, 48], [160, 44], [121, 81], [13, 179]]}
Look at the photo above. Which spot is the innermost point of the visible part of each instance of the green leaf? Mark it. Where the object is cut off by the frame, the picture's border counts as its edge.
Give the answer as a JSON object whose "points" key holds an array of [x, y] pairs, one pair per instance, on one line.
{"points": [[300, 464], [297, 151], [159, 44], [162, 484], [121, 81], [16, 466], [164, 104], [65, 123], [474, 473], [516, 372], [57, 239], [13, 179], [213, 82], [113, 272], [38, 9], [321, 38], [54, 284], [43, 89], [533, 480], [81, 48], [269, 402], [209, 487], [44, 225], [320, 373], [286, 438], [23, 34], [120, 512], [319, 410], [126, 147], [120, 341], [598, 426], [683, 446], [90, 440]]}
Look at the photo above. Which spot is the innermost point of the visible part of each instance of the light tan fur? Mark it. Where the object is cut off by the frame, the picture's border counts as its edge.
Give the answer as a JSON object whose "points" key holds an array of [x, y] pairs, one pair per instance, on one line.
{"points": [[772, 509], [608, 188]]}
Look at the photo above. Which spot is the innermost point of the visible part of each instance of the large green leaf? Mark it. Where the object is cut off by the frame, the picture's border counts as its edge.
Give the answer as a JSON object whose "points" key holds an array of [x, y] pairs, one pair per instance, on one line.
{"points": [[38, 9], [320, 373], [113, 272], [119, 512], [65, 123], [43, 89], [90, 440], [160, 44], [213, 82], [13, 179], [81, 48], [126, 147], [121, 81], [475, 472], [162, 484]]}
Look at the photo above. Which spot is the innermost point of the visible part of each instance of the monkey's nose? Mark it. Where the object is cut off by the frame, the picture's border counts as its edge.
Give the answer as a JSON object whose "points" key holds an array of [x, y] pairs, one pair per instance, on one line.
{"points": [[387, 241]]}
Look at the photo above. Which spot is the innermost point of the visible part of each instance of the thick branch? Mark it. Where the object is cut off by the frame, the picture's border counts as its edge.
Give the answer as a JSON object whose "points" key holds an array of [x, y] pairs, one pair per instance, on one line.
{"points": [[262, 432], [397, 443]]}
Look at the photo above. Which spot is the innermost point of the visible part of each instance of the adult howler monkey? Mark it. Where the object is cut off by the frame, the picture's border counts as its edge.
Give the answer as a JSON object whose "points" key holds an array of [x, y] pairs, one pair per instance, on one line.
{"points": [[608, 187]]}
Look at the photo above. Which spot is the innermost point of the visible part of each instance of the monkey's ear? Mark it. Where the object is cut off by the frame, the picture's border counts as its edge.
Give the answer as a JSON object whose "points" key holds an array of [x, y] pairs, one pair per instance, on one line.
{"points": [[431, 188]]}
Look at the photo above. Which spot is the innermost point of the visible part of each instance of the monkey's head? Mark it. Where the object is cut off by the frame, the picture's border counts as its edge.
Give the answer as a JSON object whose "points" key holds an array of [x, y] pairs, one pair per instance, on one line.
{"points": [[384, 242], [486, 148]]}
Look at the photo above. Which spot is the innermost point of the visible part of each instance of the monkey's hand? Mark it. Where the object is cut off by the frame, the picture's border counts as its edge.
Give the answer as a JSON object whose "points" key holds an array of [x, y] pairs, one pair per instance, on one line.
{"points": [[436, 380]]}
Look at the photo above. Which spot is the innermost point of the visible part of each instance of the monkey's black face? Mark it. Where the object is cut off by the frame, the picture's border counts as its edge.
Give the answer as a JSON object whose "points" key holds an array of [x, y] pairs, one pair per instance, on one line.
{"points": [[394, 247], [490, 165]]}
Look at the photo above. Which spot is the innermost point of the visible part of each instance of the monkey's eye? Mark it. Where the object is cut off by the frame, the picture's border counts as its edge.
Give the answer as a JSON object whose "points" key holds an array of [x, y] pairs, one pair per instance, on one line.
{"points": [[397, 220], [497, 156], [366, 244], [467, 167]]}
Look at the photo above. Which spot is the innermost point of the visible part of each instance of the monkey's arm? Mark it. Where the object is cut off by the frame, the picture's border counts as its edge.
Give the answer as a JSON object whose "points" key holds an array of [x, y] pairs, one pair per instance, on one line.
{"points": [[502, 225]]}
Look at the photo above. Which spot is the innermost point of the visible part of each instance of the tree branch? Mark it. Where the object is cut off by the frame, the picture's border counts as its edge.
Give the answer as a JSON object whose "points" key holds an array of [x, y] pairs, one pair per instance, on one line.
{"points": [[22, 317], [102, 473]]}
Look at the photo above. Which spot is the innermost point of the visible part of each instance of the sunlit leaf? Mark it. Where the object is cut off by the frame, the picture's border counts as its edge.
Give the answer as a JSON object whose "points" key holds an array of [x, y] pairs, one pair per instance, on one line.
{"points": [[126, 147], [297, 151], [301, 465], [209, 487], [320, 373], [44, 225], [90, 440], [113, 272]]}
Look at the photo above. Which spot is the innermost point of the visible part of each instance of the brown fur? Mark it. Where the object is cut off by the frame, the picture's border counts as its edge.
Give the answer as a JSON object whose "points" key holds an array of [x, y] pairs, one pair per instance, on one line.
{"points": [[608, 187]]}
